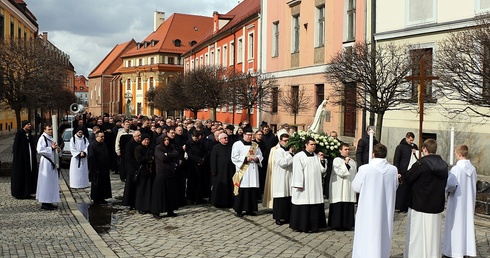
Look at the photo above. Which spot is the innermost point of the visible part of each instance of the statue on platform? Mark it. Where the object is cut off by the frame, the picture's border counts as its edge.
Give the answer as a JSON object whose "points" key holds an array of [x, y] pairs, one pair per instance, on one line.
{"points": [[317, 126]]}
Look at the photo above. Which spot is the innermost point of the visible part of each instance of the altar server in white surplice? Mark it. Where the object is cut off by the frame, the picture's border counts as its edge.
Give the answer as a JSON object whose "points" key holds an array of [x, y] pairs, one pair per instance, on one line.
{"points": [[79, 164], [376, 184], [459, 228], [281, 182], [308, 207]]}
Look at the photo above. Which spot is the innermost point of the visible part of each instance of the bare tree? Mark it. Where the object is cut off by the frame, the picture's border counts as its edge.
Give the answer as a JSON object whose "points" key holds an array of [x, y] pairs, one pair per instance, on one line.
{"points": [[30, 73], [463, 65], [350, 70], [247, 91], [171, 96], [295, 100], [207, 86]]}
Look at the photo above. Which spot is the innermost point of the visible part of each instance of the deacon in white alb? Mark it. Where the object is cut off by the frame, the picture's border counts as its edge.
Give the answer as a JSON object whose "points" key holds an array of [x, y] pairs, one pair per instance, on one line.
{"points": [[79, 163], [376, 184]]}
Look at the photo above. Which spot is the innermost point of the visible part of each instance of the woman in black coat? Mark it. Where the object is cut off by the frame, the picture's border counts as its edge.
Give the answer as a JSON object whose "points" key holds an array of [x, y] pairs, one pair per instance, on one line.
{"points": [[164, 196], [144, 155]]}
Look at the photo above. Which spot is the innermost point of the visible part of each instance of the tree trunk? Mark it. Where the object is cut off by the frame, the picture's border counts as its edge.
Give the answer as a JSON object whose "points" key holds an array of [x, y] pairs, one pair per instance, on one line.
{"points": [[379, 125], [213, 114], [294, 118], [17, 119]]}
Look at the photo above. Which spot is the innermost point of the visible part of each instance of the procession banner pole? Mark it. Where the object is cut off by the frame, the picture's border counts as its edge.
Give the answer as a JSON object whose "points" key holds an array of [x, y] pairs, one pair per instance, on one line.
{"points": [[54, 118]]}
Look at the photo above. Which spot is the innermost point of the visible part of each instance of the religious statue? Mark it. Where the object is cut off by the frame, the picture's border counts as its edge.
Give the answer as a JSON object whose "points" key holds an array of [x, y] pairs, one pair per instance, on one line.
{"points": [[317, 126]]}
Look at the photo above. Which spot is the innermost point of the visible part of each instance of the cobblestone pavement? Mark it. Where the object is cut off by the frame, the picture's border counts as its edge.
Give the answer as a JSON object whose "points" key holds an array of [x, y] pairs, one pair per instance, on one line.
{"points": [[198, 231]]}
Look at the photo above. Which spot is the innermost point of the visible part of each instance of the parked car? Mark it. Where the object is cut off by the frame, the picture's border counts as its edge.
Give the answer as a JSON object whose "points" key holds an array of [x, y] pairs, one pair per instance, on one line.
{"points": [[67, 134]]}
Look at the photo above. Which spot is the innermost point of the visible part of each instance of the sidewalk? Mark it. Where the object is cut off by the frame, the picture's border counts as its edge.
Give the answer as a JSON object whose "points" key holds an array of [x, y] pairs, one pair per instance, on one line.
{"points": [[198, 231]]}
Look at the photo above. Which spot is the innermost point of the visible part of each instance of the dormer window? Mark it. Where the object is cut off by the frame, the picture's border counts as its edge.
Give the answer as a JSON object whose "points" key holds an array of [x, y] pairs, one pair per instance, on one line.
{"points": [[146, 44], [177, 42], [138, 45], [192, 43], [153, 42]]}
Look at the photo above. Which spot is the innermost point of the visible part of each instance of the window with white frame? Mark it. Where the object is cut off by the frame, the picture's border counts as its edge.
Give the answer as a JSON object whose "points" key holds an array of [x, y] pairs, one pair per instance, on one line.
{"points": [[211, 58], [140, 62], [421, 12], [218, 56], [129, 63], [320, 26], [351, 20], [225, 55], [240, 50], [482, 6], [128, 84], [196, 63], [206, 59], [275, 39], [295, 34], [192, 65], [201, 62], [250, 46], [232, 53]]}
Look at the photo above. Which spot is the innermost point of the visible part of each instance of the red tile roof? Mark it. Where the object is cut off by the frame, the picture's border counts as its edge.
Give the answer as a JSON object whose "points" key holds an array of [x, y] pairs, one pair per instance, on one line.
{"points": [[183, 27], [238, 14], [104, 66]]}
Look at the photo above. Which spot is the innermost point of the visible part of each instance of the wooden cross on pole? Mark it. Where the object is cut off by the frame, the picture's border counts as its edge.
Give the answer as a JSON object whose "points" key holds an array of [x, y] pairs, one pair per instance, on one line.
{"points": [[422, 78]]}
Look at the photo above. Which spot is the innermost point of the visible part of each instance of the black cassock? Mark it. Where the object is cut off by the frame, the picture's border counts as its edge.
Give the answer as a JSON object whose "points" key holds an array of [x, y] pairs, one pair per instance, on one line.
{"points": [[222, 170], [98, 167], [130, 167], [24, 166], [144, 156], [164, 195]]}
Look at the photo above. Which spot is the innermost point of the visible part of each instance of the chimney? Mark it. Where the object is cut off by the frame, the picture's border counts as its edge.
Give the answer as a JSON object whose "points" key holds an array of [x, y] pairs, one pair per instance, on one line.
{"points": [[158, 19], [45, 36]]}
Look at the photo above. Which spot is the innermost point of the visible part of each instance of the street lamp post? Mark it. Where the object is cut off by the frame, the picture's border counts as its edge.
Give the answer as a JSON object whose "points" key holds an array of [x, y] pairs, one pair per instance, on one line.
{"points": [[128, 96]]}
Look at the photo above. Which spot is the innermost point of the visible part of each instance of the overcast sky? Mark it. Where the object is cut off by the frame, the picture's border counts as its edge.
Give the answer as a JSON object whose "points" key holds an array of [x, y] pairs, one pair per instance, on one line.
{"points": [[88, 29]]}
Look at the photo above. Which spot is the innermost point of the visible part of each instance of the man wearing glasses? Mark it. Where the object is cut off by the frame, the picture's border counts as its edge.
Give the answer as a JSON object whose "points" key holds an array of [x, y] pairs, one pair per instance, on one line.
{"points": [[98, 156], [247, 157]]}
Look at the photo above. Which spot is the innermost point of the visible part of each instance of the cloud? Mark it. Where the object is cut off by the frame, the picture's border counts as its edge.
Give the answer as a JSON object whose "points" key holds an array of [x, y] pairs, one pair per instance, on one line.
{"points": [[87, 30]]}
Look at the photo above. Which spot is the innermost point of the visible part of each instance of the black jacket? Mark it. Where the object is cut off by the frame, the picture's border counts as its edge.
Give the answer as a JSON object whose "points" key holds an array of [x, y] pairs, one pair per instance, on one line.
{"points": [[362, 151], [427, 179], [403, 153]]}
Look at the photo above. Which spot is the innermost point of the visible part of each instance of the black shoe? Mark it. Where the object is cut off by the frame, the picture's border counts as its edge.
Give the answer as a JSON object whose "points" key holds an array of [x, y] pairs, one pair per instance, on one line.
{"points": [[239, 214], [48, 206], [142, 212], [102, 202], [157, 216], [278, 222], [252, 213], [171, 214]]}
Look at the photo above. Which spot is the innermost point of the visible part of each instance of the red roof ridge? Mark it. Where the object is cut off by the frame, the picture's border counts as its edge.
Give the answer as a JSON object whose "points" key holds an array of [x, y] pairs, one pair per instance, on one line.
{"points": [[117, 50]]}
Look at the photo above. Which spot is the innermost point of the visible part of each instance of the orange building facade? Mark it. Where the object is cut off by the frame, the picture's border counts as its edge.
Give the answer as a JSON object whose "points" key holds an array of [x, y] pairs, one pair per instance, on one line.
{"points": [[231, 42]]}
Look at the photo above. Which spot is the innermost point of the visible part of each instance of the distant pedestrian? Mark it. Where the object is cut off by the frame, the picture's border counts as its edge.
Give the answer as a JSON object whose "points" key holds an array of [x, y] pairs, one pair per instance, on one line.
{"points": [[376, 184], [308, 208], [459, 228], [48, 188], [99, 170], [24, 163]]}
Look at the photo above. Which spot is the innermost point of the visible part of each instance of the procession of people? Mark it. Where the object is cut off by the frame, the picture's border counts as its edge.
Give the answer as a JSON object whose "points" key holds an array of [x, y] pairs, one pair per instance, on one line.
{"points": [[169, 163]]}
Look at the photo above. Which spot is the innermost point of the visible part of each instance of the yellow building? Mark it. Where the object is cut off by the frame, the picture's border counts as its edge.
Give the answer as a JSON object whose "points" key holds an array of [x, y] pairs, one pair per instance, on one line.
{"points": [[16, 21]]}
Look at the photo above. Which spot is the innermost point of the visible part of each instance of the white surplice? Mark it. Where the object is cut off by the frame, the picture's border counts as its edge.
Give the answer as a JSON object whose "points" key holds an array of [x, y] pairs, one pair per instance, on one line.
{"points": [[79, 166], [239, 152], [48, 187], [307, 174], [283, 169], [376, 184], [341, 180], [459, 228]]}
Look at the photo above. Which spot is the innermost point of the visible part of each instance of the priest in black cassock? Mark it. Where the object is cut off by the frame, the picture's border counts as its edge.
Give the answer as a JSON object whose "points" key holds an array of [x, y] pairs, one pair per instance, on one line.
{"points": [[222, 170], [24, 166], [99, 172]]}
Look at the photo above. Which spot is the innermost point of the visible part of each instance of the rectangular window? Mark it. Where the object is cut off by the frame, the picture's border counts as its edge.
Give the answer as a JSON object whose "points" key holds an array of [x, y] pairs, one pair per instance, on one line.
{"points": [[128, 84], [139, 83], [206, 59], [201, 60], [225, 56], [351, 20], [250, 46], [232, 53], [138, 108], [275, 39], [320, 94], [240, 50], [2, 28], [320, 26], [140, 62], [152, 60], [19, 33], [218, 56], [170, 60], [275, 99], [295, 98], [417, 56], [151, 82], [211, 58], [295, 34], [421, 12], [129, 63], [12, 29]]}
